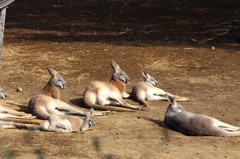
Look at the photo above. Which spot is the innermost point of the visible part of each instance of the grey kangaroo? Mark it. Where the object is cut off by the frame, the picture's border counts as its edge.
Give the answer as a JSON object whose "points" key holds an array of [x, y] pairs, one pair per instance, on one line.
{"points": [[196, 124]]}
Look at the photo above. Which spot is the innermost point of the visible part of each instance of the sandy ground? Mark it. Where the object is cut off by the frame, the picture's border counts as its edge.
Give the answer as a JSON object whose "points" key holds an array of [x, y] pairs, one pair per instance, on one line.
{"points": [[191, 49]]}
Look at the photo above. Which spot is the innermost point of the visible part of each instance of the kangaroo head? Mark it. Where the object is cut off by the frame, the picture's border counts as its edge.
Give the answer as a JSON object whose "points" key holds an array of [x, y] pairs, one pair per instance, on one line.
{"points": [[3, 93], [56, 79], [118, 73], [174, 106], [89, 121], [149, 79]]}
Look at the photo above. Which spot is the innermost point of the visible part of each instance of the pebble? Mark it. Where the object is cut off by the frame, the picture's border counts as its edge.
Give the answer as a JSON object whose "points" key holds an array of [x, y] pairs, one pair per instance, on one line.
{"points": [[19, 89]]}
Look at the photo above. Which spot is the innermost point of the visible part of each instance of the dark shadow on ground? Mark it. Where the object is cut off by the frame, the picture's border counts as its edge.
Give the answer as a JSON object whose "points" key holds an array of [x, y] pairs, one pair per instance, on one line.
{"points": [[160, 123], [78, 102], [14, 105], [156, 121], [137, 22]]}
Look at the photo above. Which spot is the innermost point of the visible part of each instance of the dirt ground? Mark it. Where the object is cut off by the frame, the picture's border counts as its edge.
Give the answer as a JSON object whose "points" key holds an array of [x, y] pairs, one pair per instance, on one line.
{"points": [[192, 49]]}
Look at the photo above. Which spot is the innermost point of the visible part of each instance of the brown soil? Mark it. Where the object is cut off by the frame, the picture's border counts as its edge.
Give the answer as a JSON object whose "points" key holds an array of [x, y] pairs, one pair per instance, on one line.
{"points": [[192, 48]]}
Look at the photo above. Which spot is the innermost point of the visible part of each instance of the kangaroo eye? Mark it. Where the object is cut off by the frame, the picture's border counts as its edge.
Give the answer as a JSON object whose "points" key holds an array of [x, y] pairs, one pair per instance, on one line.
{"points": [[60, 79]]}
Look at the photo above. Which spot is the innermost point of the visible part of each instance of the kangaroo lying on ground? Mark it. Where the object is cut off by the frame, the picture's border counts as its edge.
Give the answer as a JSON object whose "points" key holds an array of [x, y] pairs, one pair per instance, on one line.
{"points": [[148, 90], [9, 115], [9, 112], [106, 95], [69, 123], [196, 124], [48, 101], [58, 123]]}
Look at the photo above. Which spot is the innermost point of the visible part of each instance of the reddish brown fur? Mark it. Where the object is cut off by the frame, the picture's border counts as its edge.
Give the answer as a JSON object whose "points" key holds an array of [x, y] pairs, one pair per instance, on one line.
{"points": [[51, 91], [119, 85], [93, 88], [106, 95]]}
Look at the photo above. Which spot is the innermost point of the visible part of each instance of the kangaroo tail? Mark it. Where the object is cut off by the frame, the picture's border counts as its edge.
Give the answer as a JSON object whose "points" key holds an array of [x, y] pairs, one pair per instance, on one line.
{"points": [[6, 125], [180, 99], [66, 106], [27, 127], [23, 121], [13, 125], [111, 108]]}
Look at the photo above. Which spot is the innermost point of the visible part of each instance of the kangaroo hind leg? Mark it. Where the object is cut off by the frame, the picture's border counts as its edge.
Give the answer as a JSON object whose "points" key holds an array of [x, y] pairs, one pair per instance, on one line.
{"points": [[10, 111], [225, 126], [6, 125], [4, 116]]}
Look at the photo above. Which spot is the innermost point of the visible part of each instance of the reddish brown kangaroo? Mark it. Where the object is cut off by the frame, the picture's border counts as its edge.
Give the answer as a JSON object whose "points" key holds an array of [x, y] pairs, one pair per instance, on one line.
{"points": [[148, 90], [6, 112], [69, 123], [48, 101], [106, 95], [7, 116]]}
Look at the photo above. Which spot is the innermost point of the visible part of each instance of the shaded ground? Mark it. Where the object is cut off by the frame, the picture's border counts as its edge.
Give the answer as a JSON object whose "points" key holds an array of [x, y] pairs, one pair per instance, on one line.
{"points": [[192, 49]]}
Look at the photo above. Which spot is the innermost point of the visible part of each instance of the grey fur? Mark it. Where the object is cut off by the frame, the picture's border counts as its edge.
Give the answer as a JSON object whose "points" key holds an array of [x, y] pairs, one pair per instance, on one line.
{"points": [[56, 80], [118, 73], [177, 118]]}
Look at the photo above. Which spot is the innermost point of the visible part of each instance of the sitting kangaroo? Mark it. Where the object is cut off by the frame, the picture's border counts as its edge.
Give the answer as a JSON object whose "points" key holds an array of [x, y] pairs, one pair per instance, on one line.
{"points": [[196, 124], [148, 90], [103, 95], [68, 123], [48, 101]]}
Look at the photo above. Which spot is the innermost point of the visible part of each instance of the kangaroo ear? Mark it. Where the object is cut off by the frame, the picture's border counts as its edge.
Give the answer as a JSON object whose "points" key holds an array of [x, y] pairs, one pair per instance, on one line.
{"points": [[170, 99], [92, 111], [52, 72], [145, 74], [86, 114], [1, 89], [115, 66]]}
